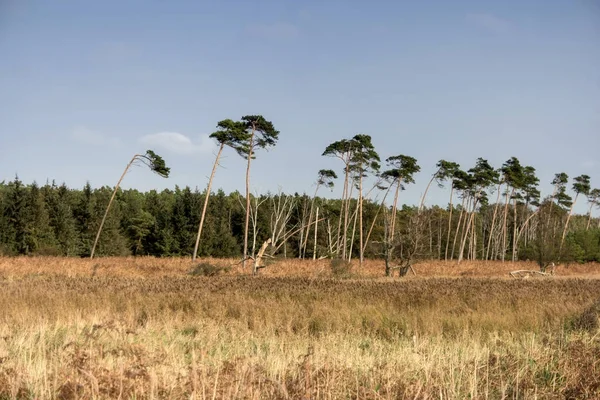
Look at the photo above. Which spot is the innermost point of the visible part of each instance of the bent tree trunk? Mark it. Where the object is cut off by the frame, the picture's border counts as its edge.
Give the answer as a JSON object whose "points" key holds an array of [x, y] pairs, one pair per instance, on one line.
{"points": [[110, 203], [210, 180]]}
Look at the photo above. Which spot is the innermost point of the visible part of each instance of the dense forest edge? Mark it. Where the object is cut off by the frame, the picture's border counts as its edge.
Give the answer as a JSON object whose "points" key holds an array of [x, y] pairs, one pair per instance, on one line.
{"points": [[59, 221], [518, 225]]}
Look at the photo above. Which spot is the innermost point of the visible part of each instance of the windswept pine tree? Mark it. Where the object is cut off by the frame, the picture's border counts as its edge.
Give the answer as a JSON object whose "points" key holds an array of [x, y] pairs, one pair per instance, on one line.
{"points": [[152, 161], [230, 133]]}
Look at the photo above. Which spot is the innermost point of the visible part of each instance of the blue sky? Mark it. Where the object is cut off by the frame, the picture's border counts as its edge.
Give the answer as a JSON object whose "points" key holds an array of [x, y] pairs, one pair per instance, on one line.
{"points": [[85, 85]]}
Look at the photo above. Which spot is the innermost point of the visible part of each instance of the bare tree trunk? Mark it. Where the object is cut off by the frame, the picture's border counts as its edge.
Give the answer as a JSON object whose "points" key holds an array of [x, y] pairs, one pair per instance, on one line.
{"points": [[425, 192], [394, 211], [449, 223], [360, 219], [430, 238], [382, 205], [250, 150], [330, 240], [316, 227], [514, 246], [439, 238], [310, 214], [355, 218], [467, 226], [210, 180], [589, 216], [504, 227], [493, 223], [460, 215], [110, 203], [568, 219]]}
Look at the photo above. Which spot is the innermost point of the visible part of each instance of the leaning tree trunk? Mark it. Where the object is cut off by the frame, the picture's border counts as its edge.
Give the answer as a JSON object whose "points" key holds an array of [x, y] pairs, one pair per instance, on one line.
{"points": [[210, 180], [567, 223], [466, 233], [110, 202], [460, 215], [587, 227], [487, 253], [425, 192]]}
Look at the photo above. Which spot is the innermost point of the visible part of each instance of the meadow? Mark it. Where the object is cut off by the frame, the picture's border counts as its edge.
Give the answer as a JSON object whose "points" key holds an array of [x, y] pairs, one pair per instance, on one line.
{"points": [[144, 328]]}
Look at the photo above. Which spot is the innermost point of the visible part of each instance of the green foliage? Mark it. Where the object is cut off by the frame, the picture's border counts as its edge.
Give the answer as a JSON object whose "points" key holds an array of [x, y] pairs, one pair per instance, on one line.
{"points": [[401, 169], [156, 163]]}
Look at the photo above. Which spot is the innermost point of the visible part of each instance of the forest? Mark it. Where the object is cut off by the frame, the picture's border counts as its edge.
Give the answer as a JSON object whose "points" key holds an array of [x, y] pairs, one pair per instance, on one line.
{"points": [[493, 213]]}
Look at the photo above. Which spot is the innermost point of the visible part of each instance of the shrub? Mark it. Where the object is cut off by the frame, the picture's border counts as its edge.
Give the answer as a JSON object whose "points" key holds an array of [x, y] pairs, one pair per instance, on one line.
{"points": [[341, 268], [208, 269]]}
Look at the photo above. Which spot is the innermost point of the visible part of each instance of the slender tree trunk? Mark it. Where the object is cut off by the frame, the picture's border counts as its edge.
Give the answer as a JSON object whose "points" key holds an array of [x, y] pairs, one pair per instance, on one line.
{"points": [[464, 240], [316, 227], [210, 180], [375, 218], [430, 237], [449, 223], [439, 238], [355, 218], [504, 227], [589, 216], [360, 219], [460, 215], [110, 203], [250, 150], [425, 193], [312, 204], [343, 215], [514, 246], [493, 222], [394, 211], [567, 223]]}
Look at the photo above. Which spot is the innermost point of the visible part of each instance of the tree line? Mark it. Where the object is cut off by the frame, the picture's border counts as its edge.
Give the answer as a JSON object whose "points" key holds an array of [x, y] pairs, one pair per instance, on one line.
{"points": [[492, 213]]}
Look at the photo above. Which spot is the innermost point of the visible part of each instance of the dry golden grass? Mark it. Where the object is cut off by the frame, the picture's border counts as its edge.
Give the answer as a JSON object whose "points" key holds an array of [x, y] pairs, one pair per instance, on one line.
{"points": [[143, 328], [178, 266]]}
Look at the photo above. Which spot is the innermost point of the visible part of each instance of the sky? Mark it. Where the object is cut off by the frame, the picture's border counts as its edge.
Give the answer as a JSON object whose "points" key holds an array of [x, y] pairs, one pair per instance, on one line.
{"points": [[86, 85]]}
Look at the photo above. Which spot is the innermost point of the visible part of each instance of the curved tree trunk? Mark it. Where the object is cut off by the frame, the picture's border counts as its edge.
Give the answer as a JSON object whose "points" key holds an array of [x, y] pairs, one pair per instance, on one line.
{"points": [[487, 253], [564, 234], [425, 193], [210, 180], [110, 202]]}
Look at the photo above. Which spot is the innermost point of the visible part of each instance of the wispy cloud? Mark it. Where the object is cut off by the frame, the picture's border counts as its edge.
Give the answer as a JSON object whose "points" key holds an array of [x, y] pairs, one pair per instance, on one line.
{"points": [[490, 22], [85, 135], [588, 164], [275, 30], [178, 143]]}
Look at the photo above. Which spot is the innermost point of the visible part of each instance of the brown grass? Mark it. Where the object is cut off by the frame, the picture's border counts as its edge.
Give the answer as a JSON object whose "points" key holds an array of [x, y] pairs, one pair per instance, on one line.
{"points": [[177, 266], [143, 328]]}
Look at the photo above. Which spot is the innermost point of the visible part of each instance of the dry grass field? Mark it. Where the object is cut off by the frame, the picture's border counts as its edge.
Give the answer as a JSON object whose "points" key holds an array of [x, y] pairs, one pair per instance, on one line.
{"points": [[144, 328]]}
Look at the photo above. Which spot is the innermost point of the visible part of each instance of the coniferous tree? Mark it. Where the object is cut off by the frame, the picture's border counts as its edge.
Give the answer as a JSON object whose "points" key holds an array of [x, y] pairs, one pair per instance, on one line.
{"points": [[230, 133]]}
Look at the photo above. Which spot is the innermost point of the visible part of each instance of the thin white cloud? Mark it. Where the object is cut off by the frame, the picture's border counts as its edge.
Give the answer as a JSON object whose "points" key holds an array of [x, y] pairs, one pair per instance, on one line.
{"points": [[490, 22], [276, 30], [178, 143], [589, 164], [87, 136]]}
